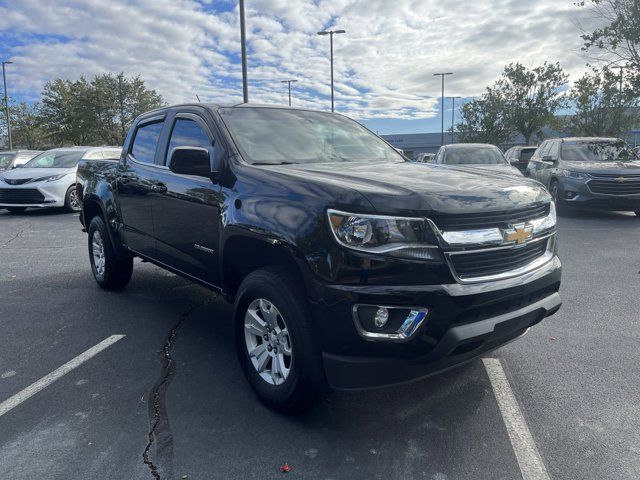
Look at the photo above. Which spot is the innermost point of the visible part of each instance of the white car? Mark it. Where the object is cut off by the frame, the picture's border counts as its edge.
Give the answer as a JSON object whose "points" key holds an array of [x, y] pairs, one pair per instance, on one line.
{"points": [[476, 157], [49, 179]]}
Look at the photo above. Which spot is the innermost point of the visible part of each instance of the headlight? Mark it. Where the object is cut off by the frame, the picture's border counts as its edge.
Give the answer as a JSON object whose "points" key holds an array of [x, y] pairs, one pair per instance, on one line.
{"points": [[569, 173], [49, 178], [394, 236]]}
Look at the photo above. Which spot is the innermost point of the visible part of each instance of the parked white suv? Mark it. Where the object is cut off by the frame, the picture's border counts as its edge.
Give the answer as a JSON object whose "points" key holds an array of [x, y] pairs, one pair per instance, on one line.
{"points": [[49, 179]]}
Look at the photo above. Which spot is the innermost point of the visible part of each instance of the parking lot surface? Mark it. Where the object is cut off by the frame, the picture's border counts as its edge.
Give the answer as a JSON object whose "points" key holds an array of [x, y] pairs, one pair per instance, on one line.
{"points": [[174, 374]]}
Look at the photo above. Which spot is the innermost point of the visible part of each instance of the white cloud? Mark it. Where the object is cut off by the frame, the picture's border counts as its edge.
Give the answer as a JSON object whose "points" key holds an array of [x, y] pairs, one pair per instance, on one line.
{"points": [[384, 65]]}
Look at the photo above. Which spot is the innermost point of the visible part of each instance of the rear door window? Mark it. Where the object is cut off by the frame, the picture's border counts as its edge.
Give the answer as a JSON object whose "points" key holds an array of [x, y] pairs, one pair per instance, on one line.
{"points": [[146, 141]]}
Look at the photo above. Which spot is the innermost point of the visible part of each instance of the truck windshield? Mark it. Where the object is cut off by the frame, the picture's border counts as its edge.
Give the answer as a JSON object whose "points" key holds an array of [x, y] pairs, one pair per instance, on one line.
{"points": [[468, 155], [56, 159], [276, 136], [596, 151]]}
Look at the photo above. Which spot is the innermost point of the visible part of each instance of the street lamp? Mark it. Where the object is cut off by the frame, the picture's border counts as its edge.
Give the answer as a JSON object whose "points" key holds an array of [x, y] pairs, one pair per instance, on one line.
{"points": [[6, 103], [243, 47], [331, 33], [442, 74], [289, 82], [453, 116]]}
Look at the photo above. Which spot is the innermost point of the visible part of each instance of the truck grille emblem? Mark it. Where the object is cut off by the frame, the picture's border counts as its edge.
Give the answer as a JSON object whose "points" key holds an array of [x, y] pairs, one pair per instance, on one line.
{"points": [[518, 233], [621, 179]]}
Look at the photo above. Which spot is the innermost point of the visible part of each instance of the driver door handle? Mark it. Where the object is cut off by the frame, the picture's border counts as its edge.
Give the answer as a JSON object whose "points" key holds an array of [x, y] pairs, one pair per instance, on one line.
{"points": [[159, 188]]}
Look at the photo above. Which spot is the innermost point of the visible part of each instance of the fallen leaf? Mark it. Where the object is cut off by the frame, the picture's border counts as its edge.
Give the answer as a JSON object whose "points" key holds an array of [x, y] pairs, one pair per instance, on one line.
{"points": [[552, 338], [285, 468]]}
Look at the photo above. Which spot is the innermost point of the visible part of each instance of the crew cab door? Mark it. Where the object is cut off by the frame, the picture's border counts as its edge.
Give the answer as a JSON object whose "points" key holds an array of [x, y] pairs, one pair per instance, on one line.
{"points": [[186, 212], [136, 184]]}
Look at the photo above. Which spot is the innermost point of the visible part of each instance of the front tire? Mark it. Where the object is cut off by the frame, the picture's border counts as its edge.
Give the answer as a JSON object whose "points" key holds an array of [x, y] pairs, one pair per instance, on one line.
{"points": [[277, 351], [72, 200], [109, 271]]}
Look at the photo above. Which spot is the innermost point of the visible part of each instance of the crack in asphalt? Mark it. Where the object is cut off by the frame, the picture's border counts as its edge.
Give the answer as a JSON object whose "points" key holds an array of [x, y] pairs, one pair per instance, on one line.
{"points": [[157, 409], [16, 236]]}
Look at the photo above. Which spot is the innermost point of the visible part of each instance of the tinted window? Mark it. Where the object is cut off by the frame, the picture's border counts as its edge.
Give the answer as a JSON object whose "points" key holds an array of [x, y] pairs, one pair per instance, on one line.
{"points": [[276, 136], [145, 142], [5, 159], [474, 156], [187, 133], [596, 151], [554, 150], [56, 159]]}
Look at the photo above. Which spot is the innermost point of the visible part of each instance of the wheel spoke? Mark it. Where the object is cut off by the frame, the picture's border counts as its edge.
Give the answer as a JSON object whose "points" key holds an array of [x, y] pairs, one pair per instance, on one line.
{"points": [[254, 324], [269, 313], [263, 360], [258, 350]]}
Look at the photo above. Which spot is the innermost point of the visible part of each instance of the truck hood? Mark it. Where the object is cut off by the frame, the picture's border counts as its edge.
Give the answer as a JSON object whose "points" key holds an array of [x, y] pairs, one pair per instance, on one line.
{"points": [[614, 168], [29, 173], [411, 187]]}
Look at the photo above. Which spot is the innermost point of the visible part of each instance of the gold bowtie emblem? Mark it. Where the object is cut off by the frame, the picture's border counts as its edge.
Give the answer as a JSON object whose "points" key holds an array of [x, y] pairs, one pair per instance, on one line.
{"points": [[519, 234]]}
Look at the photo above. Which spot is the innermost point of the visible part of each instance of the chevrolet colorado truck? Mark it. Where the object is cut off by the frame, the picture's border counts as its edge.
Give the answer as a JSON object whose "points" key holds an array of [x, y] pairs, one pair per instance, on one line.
{"points": [[349, 267]]}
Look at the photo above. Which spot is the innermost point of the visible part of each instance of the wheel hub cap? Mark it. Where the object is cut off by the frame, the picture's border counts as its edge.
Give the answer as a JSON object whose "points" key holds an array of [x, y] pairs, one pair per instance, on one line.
{"points": [[267, 341]]}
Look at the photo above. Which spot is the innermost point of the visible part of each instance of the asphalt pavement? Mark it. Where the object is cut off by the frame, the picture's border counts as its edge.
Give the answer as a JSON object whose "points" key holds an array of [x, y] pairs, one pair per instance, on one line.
{"points": [[174, 374]]}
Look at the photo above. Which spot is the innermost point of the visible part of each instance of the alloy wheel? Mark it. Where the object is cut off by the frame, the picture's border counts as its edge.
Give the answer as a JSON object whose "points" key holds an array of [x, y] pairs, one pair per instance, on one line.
{"points": [[97, 252], [74, 200], [267, 341]]}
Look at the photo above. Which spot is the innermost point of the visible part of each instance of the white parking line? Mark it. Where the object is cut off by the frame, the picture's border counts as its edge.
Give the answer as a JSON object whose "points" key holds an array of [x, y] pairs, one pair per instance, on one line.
{"points": [[529, 460], [47, 380]]}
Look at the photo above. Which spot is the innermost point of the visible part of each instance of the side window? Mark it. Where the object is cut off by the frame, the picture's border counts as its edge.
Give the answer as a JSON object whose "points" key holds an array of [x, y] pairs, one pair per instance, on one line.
{"points": [[542, 150], [187, 133], [146, 141], [554, 149]]}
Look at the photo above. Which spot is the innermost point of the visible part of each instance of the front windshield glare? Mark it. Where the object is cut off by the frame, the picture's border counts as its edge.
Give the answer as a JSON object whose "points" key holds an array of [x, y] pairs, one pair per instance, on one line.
{"points": [[5, 159], [57, 159], [275, 136], [598, 151], [474, 156]]}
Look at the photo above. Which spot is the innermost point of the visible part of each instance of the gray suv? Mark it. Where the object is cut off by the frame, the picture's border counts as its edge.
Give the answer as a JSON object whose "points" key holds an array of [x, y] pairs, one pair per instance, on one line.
{"points": [[590, 172]]}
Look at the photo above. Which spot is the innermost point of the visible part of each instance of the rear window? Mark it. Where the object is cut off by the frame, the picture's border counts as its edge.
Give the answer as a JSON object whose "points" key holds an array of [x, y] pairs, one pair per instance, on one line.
{"points": [[146, 141], [474, 156], [526, 154]]}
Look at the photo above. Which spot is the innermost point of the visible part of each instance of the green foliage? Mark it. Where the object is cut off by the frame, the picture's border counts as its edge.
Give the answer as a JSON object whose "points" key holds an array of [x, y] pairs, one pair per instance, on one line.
{"points": [[485, 120], [82, 112], [521, 101], [601, 107]]}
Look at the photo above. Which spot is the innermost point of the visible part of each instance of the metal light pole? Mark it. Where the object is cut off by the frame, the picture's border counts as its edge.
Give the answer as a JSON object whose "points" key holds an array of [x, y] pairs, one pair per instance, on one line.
{"points": [[442, 74], [243, 46], [289, 82], [453, 116], [621, 67], [331, 33], [6, 103]]}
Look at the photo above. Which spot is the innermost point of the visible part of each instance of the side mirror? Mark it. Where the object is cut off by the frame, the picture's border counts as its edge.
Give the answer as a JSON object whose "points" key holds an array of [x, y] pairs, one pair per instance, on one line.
{"points": [[548, 159], [190, 161]]}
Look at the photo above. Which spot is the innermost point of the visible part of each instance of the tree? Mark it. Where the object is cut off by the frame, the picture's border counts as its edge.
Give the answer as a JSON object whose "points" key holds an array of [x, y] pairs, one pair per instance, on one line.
{"points": [[485, 120], [26, 127], [532, 96], [601, 107], [97, 112]]}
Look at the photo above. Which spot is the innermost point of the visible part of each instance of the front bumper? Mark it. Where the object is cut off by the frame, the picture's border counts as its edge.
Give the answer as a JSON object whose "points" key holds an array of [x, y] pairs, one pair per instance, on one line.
{"points": [[35, 195], [576, 193], [464, 322]]}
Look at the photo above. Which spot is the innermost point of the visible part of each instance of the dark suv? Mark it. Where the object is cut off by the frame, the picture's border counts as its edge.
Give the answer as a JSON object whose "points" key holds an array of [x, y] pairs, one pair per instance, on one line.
{"points": [[349, 266], [589, 172]]}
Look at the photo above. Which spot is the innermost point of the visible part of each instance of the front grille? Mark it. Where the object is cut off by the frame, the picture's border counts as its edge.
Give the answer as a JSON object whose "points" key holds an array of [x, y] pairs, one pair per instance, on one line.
{"points": [[20, 196], [18, 181], [470, 221], [630, 186], [494, 262]]}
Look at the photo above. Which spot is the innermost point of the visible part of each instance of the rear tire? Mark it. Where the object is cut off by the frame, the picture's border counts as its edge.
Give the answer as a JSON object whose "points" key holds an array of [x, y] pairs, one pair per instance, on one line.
{"points": [[16, 209], [285, 327], [72, 200], [637, 212], [110, 272]]}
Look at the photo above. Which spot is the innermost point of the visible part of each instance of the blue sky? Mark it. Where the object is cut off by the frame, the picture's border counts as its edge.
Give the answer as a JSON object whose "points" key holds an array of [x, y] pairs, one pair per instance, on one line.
{"points": [[384, 64]]}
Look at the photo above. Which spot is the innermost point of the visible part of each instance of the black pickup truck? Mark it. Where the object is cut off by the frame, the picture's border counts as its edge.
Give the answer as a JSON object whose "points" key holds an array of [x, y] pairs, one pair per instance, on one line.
{"points": [[349, 267]]}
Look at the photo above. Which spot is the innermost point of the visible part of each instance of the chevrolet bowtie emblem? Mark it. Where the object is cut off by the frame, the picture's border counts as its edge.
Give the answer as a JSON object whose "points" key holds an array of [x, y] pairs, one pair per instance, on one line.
{"points": [[518, 233], [621, 179]]}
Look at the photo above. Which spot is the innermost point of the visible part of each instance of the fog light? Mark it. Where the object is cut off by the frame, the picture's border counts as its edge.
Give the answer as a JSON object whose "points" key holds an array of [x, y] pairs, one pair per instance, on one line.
{"points": [[381, 318], [569, 194]]}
